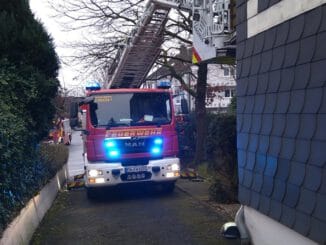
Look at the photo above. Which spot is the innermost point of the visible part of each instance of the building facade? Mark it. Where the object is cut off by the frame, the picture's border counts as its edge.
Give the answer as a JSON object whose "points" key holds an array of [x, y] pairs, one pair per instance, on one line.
{"points": [[281, 119], [221, 88]]}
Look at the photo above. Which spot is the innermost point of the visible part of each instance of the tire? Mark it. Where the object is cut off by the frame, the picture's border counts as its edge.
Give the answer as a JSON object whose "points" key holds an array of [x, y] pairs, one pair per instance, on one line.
{"points": [[169, 187]]}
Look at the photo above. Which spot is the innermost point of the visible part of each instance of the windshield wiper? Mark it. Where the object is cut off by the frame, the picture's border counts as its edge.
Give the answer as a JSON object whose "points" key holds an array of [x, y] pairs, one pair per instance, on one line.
{"points": [[115, 124]]}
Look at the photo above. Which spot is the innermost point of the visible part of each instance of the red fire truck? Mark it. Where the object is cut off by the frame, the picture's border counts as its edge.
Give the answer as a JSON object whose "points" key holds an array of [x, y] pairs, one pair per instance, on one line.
{"points": [[129, 136]]}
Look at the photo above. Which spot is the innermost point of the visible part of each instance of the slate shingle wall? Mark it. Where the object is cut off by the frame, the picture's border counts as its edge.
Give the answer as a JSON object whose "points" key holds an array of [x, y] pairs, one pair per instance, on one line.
{"points": [[281, 119]]}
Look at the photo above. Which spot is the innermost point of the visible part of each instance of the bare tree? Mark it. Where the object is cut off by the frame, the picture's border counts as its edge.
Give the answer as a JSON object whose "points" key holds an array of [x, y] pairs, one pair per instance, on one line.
{"points": [[104, 25]]}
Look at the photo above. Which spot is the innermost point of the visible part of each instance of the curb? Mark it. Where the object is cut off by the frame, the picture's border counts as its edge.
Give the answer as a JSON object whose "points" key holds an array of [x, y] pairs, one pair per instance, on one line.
{"points": [[22, 228]]}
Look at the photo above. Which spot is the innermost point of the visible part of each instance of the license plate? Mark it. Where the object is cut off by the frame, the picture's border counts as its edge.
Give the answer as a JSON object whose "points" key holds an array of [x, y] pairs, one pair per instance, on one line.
{"points": [[136, 176], [135, 169]]}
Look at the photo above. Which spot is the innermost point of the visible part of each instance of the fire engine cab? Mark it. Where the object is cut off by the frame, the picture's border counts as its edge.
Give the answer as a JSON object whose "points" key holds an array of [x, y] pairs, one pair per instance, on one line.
{"points": [[129, 136]]}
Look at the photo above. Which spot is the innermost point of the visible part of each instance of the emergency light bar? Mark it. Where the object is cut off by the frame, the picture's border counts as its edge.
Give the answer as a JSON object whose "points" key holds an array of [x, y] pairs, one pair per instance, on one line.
{"points": [[93, 85], [164, 84]]}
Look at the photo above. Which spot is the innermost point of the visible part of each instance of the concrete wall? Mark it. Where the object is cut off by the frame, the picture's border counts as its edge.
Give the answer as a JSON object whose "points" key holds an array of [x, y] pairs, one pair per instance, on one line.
{"points": [[281, 111], [21, 229]]}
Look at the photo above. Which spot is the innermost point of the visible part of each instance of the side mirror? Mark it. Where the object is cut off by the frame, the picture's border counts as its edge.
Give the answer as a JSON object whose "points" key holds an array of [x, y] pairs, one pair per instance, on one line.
{"points": [[230, 231], [87, 100], [184, 106]]}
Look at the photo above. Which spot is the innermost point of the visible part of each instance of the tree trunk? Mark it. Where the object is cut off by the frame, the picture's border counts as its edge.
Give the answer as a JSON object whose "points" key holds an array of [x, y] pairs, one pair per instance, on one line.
{"points": [[200, 110]]}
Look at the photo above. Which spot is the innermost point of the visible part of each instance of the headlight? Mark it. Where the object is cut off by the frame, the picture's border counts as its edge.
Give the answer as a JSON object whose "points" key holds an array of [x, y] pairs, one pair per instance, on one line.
{"points": [[174, 167], [94, 172]]}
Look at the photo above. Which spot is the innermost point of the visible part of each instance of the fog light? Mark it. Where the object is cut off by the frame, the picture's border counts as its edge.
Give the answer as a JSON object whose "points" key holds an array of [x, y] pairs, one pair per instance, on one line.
{"points": [[99, 180], [169, 174]]}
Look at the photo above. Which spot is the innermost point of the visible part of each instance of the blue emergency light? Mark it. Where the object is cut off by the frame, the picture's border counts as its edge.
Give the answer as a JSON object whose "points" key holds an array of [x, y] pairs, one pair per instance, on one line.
{"points": [[111, 148], [93, 85], [165, 84], [156, 149]]}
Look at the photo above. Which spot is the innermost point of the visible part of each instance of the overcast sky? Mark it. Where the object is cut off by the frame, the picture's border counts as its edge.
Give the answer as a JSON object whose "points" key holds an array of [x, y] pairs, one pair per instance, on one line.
{"points": [[68, 75]]}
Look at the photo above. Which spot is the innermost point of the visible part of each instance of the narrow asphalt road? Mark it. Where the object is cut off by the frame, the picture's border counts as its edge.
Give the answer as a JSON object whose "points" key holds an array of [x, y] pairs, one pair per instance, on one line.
{"points": [[133, 215]]}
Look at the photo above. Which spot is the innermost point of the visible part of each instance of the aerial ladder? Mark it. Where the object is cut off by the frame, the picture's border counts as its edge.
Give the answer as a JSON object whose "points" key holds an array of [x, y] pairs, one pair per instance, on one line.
{"points": [[213, 38]]}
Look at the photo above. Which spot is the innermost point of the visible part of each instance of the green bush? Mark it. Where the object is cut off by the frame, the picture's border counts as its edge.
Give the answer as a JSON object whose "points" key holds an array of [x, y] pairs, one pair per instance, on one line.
{"points": [[53, 157], [221, 153], [19, 183], [28, 85], [222, 157]]}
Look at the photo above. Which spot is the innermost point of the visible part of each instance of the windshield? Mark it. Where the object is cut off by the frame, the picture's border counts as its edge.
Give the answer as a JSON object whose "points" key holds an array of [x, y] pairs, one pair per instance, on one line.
{"points": [[114, 110]]}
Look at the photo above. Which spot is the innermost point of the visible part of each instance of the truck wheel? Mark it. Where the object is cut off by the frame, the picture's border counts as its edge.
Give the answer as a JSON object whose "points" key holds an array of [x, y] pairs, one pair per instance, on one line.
{"points": [[169, 187]]}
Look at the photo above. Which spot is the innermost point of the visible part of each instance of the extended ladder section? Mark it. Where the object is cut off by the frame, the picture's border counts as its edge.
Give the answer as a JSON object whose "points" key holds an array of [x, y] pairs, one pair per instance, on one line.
{"points": [[141, 49], [213, 30], [212, 34]]}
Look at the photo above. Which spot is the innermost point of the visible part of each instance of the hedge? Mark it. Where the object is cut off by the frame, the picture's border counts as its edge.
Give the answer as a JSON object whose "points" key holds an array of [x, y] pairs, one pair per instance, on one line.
{"points": [[221, 152], [20, 182]]}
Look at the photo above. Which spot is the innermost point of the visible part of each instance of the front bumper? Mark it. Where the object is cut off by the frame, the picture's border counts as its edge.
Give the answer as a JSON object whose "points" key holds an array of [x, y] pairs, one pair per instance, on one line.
{"points": [[110, 174]]}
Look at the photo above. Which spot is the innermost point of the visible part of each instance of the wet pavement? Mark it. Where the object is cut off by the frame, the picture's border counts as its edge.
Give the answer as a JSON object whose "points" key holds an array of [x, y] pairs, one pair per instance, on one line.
{"points": [[132, 215]]}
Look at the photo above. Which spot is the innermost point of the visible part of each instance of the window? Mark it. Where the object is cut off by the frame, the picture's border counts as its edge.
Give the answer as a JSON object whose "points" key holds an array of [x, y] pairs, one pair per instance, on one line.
{"points": [[227, 93], [232, 92], [226, 71], [232, 71], [229, 71], [121, 109]]}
